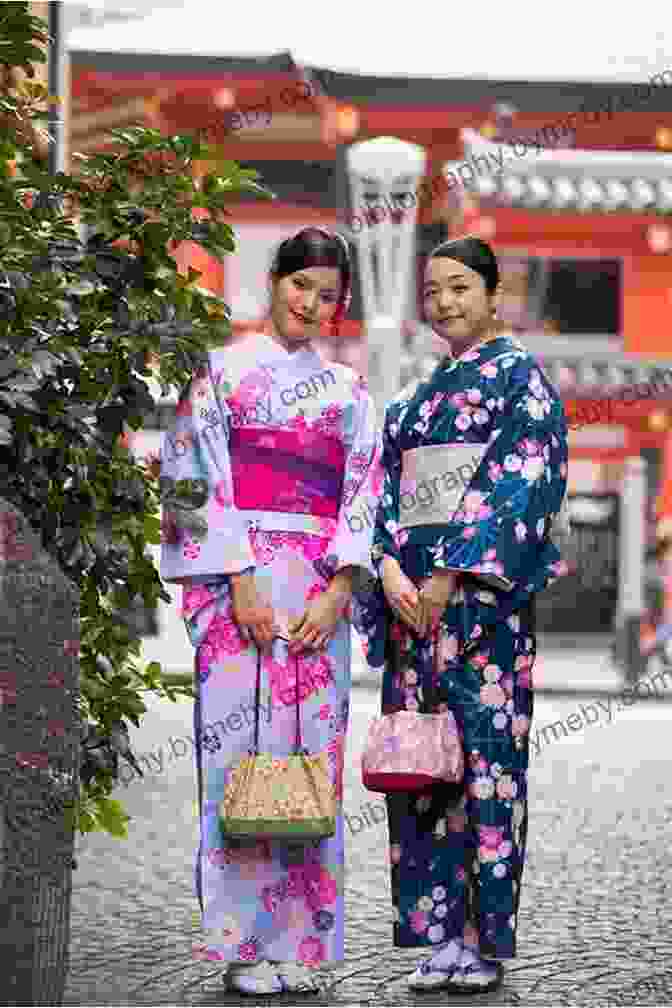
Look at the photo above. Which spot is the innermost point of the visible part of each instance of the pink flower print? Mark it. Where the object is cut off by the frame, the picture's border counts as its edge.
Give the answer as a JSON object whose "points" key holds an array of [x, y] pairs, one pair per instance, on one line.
{"points": [[506, 787], [484, 512], [494, 471], [315, 590], [311, 952], [71, 648], [248, 951], [56, 728], [194, 599], [327, 526], [520, 530], [322, 672], [332, 413], [463, 421], [377, 481], [312, 547], [325, 712], [217, 857], [336, 750], [460, 875], [487, 854], [481, 765], [480, 417], [410, 677], [474, 396], [530, 446], [505, 849], [206, 657], [513, 463], [206, 954], [469, 533], [479, 660], [53, 679], [419, 921], [252, 388], [183, 408], [191, 550], [395, 853], [488, 370], [507, 684], [492, 696], [523, 679], [223, 496], [459, 400], [401, 537], [321, 888], [297, 422], [412, 704], [490, 836]]}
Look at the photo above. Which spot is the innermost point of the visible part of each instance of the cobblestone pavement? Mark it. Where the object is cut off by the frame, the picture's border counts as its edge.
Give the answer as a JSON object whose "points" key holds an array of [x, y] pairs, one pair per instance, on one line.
{"points": [[596, 908]]}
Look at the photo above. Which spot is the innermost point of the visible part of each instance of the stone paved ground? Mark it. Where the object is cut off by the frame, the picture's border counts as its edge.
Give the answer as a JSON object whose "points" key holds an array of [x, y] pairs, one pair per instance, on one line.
{"points": [[596, 908]]}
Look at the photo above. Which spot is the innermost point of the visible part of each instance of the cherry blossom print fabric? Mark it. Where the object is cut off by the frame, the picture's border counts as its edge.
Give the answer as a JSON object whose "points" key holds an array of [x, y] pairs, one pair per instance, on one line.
{"points": [[457, 854], [280, 454]]}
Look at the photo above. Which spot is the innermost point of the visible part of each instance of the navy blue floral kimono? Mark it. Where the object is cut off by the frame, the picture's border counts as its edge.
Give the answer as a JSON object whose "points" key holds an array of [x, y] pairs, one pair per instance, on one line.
{"points": [[457, 851]]}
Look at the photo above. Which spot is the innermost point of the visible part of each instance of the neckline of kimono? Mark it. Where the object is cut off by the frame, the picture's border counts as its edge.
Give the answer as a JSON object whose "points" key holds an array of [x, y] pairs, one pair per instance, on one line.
{"points": [[284, 352], [449, 359]]}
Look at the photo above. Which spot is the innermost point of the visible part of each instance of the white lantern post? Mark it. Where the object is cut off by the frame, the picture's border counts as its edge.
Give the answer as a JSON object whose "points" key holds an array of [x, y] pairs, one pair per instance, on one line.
{"points": [[384, 174]]}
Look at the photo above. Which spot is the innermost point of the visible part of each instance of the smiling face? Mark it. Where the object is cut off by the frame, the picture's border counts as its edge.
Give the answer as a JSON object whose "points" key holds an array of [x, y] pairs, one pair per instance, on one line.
{"points": [[302, 302], [457, 304]]}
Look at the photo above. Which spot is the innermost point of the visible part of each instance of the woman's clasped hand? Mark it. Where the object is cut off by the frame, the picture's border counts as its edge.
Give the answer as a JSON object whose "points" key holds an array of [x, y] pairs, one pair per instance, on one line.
{"points": [[312, 631], [420, 609]]}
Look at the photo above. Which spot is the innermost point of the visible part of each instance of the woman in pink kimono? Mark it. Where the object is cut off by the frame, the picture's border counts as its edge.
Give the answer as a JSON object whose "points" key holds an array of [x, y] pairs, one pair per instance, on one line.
{"points": [[283, 456]]}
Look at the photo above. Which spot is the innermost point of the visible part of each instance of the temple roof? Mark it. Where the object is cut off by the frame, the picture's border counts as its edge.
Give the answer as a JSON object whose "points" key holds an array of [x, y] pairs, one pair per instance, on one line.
{"points": [[565, 179]]}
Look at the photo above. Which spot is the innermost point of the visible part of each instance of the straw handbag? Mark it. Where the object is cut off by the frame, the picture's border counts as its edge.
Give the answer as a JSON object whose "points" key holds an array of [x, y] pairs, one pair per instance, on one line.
{"points": [[282, 798]]}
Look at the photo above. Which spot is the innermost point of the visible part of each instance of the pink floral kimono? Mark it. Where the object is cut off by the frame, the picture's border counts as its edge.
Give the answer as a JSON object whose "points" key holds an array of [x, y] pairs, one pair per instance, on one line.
{"points": [[281, 459]]}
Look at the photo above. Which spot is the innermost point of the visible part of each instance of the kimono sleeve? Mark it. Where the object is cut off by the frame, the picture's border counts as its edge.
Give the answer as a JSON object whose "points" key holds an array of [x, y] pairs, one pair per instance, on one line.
{"points": [[362, 484], [500, 532], [202, 531], [387, 516]]}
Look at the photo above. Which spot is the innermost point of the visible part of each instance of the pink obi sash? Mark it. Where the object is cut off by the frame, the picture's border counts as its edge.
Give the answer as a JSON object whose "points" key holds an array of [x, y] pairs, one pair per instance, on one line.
{"points": [[298, 472]]}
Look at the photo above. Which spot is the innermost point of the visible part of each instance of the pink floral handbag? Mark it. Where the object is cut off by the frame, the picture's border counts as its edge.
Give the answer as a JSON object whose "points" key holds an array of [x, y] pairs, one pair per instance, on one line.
{"points": [[408, 751]]}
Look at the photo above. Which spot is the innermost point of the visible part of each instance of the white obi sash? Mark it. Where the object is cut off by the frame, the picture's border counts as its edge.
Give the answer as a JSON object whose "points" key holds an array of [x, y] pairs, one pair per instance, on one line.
{"points": [[434, 480]]}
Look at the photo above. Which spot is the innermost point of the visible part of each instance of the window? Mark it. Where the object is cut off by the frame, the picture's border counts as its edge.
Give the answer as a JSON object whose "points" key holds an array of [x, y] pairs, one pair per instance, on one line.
{"points": [[568, 296]]}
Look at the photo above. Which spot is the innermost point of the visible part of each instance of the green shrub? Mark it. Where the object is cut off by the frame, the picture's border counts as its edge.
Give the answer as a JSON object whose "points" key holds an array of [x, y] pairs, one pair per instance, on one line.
{"points": [[80, 321]]}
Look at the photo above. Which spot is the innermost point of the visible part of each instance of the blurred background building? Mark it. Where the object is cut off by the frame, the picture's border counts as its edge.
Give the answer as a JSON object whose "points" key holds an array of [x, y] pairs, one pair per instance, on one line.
{"points": [[582, 226]]}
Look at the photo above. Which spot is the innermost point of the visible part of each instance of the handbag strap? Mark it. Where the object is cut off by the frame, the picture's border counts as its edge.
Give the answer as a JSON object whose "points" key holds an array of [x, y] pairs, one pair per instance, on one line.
{"points": [[298, 743]]}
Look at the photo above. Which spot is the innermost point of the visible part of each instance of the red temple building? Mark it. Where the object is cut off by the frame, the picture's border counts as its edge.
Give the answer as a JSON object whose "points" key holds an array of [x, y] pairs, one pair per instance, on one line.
{"points": [[581, 221]]}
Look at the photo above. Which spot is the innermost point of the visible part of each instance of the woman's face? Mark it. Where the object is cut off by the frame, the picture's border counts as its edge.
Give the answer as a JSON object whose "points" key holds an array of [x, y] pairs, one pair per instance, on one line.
{"points": [[456, 302], [303, 302]]}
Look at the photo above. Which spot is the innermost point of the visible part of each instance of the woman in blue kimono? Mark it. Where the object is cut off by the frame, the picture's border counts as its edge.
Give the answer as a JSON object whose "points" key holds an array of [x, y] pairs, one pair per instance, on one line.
{"points": [[476, 467]]}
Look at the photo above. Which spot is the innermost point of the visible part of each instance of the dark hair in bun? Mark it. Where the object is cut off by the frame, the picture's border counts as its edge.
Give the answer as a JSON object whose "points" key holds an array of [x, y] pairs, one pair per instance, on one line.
{"points": [[474, 253], [313, 246]]}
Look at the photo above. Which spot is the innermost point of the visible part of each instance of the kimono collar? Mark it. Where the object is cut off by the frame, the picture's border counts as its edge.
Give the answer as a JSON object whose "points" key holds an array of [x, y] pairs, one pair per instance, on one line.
{"points": [[274, 351], [483, 351]]}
